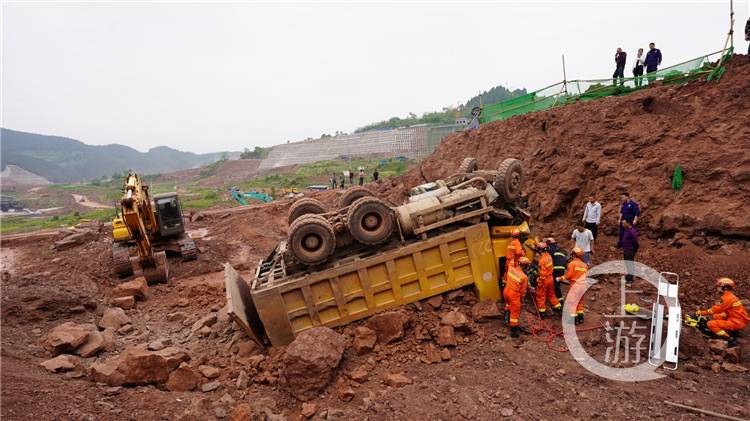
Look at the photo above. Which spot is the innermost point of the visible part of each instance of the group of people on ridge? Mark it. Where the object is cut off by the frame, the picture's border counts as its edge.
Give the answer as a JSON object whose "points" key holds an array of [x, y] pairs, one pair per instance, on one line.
{"points": [[342, 183], [650, 63]]}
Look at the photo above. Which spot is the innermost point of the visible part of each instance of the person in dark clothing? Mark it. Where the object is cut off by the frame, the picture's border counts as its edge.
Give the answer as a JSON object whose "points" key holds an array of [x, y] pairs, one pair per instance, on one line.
{"points": [[652, 62], [375, 175], [629, 249], [361, 177], [620, 59], [351, 177], [333, 181], [638, 68], [747, 34], [629, 211], [343, 182], [559, 262]]}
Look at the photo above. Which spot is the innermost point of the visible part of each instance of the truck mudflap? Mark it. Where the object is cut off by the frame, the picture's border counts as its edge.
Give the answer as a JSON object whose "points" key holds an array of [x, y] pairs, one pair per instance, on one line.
{"points": [[241, 307]]}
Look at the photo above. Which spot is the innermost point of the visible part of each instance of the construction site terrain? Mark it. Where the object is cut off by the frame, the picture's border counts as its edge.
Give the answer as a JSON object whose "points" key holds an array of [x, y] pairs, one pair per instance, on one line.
{"points": [[175, 353]]}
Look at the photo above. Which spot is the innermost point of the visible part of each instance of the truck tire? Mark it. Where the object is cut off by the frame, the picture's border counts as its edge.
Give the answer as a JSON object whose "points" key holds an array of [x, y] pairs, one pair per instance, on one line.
{"points": [[509, 180], [352, 194], [468, 165], [305, 206], [370, 221], [311, 239], [121, 260]]}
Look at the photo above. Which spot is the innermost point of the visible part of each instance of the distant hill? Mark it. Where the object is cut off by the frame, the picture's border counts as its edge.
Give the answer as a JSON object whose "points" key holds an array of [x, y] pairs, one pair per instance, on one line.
{"points": [[13, 175], [449, 114], [65, 160]]}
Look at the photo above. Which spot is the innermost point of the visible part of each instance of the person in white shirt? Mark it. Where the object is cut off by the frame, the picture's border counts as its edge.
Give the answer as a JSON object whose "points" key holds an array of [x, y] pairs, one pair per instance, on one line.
{"points": [[583, 239], [592, 215], [638, 68]]}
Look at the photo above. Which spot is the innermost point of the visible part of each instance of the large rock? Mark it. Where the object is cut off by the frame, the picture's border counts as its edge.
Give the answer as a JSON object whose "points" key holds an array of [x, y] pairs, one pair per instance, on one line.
{"points": [[733, 355], [61, 363], [125, 303], [65, 338], [388, 326], [309, 361], [93, 344], [717, 346], [456, 319], [364, 340], [397, 380], [733, 368], [137, 288], [485, 310], [76, 239], [138, 366], [113, 317], [692, 343], [183, 379], [446, 336]]}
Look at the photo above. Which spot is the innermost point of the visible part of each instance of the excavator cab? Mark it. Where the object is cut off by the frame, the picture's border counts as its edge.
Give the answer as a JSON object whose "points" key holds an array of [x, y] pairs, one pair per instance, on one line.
{"points": [[169, 214]]}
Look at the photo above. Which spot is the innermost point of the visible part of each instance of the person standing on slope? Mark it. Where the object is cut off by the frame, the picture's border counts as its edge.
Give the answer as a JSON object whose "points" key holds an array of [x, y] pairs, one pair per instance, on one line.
{"points": [[620, 59], [638, 68], [652, 62]]}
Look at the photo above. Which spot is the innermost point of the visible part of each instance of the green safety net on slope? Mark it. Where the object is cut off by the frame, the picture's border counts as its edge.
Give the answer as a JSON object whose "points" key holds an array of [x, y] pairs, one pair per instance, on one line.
{"points": [[583, 90]]}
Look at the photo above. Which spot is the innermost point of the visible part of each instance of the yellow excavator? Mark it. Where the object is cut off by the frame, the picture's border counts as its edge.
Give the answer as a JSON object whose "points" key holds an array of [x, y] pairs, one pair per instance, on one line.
{"points": [[144, 231]]}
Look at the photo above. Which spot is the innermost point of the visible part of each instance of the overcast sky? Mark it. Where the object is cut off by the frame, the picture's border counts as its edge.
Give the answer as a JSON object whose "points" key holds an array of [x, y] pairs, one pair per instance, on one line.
{"points": [[206, 77]]}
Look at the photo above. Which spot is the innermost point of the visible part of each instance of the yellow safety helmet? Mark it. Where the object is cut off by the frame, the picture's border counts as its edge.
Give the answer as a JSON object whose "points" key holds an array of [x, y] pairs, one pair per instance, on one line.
{"points": [[577, 251], [631, 308], [725, 283]]}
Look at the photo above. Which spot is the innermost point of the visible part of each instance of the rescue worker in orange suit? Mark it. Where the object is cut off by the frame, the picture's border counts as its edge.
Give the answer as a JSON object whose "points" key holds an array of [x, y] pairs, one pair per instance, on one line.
{"points": [[516, 283], [545, 284], [514, 250], [576, 274], [729, 316]]}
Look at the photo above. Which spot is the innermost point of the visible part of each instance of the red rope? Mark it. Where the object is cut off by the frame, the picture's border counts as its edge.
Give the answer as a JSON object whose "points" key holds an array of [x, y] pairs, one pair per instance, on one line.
{"points": [[542, 327]]}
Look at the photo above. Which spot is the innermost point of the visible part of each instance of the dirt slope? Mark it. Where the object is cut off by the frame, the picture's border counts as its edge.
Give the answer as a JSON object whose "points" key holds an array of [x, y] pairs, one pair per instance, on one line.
{"points": [[628, 143]]}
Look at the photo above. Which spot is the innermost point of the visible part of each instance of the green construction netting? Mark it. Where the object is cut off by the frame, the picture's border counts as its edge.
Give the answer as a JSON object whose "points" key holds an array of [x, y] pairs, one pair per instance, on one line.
{"points": [[583, 90]]}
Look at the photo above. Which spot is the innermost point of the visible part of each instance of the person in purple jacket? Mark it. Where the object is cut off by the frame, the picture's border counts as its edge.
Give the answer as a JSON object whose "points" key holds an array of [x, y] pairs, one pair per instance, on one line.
{"points": [[629, 211], [652, 62], [629, 249]]}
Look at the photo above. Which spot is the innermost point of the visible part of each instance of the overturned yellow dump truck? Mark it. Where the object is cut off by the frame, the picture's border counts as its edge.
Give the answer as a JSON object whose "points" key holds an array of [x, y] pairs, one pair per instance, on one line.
{"points": [[440, 242]]}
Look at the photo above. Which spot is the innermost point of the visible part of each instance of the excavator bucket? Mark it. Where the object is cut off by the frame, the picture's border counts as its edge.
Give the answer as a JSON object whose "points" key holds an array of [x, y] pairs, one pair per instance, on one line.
{"points": [[241, 307], [155, 274]]}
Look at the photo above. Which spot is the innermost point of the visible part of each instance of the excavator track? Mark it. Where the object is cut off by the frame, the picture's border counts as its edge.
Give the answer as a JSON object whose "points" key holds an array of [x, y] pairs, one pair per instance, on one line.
{"points": [[121, 260], [188, 249]]}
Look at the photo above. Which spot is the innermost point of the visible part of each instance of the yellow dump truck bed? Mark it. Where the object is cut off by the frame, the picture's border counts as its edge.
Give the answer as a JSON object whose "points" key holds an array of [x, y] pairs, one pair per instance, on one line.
{"points": [[275, 307]]}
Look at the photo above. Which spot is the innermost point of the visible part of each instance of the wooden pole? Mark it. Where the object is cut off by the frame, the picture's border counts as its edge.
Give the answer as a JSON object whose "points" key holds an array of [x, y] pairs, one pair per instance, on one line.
{"points": [[731, 23], [565, 76], [706, 412]]}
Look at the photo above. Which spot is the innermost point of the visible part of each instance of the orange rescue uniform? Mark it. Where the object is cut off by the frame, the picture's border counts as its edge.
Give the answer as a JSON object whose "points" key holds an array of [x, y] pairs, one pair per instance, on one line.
{"points": [[516, 283], [576, 274], [728, 314], [545, 285]]}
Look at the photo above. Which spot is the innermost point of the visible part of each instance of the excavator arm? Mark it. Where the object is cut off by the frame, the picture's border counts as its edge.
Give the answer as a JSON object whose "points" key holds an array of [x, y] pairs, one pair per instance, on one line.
{"points": [[140, 220]]}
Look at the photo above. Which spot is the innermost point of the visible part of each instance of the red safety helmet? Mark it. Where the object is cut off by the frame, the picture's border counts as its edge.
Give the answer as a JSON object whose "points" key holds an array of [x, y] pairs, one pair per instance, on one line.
{"points": [[725, 283], [541, 246], [515, 232], [550, 241], [577, 251], [523, 261]]}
